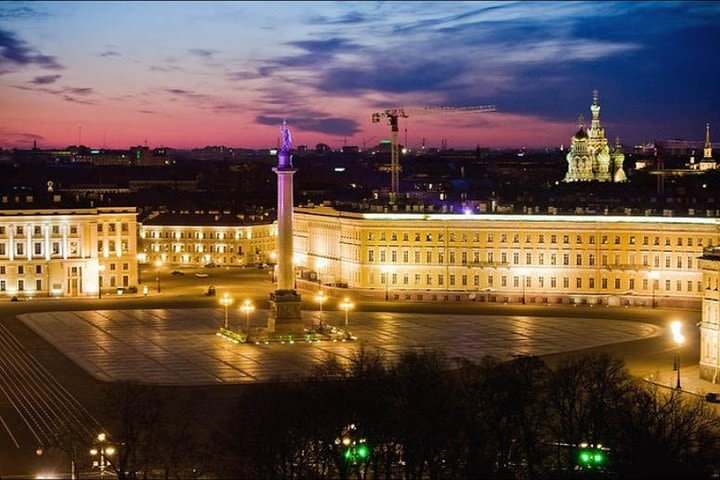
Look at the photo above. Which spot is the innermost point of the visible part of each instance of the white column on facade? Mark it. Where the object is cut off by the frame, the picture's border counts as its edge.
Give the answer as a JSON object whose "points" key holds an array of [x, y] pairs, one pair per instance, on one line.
{"points": [[11, 250], [47, 241], [118, 239], [28, 240], [64, 245]]}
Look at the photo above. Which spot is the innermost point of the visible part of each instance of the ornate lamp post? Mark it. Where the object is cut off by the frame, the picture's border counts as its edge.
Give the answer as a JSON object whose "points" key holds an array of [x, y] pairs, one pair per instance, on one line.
{"points": [[320, 298], [346, 305], [247, 307], [226, 301], [101, 269], [104, 451], [158, 264], [679, 339]]}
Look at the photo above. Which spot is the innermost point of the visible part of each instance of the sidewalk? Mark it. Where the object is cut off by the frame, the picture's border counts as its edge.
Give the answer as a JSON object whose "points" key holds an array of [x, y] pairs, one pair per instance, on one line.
{"points": [[690, 381]]}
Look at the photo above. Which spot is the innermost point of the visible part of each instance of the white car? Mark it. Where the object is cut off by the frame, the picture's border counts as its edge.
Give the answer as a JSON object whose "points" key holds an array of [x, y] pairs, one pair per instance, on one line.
{"points": [[201, 275]]}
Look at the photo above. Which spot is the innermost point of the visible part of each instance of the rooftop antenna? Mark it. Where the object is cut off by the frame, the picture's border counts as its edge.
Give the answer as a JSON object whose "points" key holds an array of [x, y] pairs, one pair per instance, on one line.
{"points": [[79, 135]]}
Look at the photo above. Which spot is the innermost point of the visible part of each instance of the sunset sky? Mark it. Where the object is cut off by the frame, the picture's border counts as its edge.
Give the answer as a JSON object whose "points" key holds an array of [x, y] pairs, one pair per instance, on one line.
{"points": [[185, 74]]}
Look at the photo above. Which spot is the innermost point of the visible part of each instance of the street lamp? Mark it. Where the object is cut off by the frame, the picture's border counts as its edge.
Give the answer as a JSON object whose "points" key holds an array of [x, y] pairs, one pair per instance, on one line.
{"points": [[103, 451], [679, 339], [158, 264], [346, 305], [653, 275], [226, 301], [320, 298], [247, 307], [101, 269]]}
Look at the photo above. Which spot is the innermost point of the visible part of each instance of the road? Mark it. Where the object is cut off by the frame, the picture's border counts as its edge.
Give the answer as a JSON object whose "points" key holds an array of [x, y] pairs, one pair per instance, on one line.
{"points": [[43, 391]]}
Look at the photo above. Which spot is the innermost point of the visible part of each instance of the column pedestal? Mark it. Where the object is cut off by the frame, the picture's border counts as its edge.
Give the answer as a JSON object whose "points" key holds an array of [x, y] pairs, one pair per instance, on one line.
{"points": [[285, 317]]}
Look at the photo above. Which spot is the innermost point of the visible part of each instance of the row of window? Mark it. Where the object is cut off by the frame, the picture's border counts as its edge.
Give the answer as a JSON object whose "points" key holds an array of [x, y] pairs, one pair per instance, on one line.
{"points": [[542, 282], [565, 259], [199, 235], [21, 285], [124, 246], [553, 238], [198, 248], [112, 227], [55, 229], [208, 259], [21, 269], [38, 248]]}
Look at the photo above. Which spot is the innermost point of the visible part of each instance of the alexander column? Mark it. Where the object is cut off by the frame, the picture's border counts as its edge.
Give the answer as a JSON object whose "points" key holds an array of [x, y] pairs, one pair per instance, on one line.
{"points": [[285, 301]]}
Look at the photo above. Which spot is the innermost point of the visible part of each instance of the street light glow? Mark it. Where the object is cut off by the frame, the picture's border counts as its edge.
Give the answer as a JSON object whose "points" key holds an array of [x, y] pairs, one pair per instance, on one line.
{"points": [[226, 301], [247, 307], [675, 328], [346, 305], [320, 298]]}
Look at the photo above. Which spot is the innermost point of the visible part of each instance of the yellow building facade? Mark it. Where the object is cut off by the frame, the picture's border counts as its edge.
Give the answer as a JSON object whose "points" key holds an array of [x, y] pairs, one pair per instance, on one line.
{"points": [[553, 259], [67, 252], [201, 245], [710, 325]]}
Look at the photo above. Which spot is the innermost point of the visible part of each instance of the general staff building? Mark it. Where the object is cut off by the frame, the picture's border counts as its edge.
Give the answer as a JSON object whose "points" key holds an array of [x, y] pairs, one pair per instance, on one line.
{"points": [[522, 258]]}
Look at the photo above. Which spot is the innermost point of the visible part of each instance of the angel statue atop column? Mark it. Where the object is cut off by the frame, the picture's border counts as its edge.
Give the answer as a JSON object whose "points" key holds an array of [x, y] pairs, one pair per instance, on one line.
{"points": [[287, 142]]}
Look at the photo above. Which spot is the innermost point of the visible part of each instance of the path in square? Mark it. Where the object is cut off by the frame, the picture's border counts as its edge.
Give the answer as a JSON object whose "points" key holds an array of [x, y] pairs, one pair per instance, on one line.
{"points": [[180, 346]]}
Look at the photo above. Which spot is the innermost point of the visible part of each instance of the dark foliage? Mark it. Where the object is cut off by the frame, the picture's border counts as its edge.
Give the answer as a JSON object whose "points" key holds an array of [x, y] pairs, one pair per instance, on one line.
{"points": [[423, 417]]}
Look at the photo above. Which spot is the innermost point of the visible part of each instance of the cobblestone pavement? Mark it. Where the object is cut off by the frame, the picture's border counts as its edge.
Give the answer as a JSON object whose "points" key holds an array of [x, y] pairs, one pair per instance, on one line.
{"points": [[179, 346]]}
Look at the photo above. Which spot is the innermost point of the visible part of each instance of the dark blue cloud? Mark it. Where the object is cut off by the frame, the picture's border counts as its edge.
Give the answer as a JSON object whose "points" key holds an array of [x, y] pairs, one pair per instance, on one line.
{"points": [[313, 122], [650, 61], [202, 52], [316, 52], [663, 90], [14, 13], [425, 75], [348, 18], [45, 79], [15, 52]]}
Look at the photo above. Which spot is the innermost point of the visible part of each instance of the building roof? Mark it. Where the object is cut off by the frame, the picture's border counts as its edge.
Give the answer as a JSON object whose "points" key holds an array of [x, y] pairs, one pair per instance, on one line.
{"points": [[581, 134], [207, 219]]}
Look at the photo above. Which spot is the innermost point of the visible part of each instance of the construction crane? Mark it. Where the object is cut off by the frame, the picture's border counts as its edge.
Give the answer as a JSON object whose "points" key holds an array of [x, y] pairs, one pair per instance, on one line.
{"points": [[394, 114]]}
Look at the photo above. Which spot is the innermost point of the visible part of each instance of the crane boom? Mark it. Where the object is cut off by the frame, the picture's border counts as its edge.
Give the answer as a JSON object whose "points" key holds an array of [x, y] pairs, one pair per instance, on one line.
{"points": [[393, 114]]}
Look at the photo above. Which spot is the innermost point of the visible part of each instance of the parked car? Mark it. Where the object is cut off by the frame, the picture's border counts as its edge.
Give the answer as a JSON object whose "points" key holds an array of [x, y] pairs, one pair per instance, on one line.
{"points": [[210, 265], [14, 298], [177, 273], [210, 291], [201, 275], [713, 397]]}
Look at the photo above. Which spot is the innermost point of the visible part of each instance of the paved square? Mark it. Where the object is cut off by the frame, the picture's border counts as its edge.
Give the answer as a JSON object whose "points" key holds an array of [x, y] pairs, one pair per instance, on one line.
{"points": [[179, 347]]}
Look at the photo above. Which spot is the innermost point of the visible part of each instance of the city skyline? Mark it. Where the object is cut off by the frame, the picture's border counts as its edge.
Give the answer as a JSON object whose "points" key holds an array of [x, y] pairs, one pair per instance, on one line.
{"points": [[189, 74]]}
